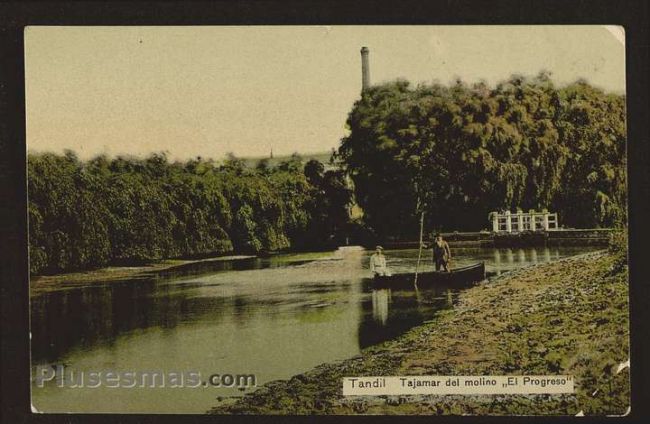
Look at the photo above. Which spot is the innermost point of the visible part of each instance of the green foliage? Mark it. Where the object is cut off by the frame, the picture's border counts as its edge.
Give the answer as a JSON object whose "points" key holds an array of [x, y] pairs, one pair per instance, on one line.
{"points": [[460, 152], [130, 211], [618, 247], [326, 206]]}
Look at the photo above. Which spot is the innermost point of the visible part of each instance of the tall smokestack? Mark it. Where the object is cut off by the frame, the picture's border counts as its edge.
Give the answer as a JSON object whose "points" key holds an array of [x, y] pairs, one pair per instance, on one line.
{"points": [[365, 69]]}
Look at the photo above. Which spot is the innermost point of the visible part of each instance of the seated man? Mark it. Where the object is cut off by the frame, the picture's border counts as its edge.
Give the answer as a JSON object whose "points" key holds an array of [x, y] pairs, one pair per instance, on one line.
{"points": [[378, 263]]}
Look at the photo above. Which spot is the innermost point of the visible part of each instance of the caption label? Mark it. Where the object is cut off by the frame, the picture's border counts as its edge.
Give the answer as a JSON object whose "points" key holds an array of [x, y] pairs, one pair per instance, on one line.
{"points": [[458, 385]]}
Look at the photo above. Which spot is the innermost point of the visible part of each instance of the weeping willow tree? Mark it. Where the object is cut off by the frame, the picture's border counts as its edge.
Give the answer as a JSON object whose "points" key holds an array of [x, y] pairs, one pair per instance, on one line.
{"points": [[464, 151], [86, 214]]}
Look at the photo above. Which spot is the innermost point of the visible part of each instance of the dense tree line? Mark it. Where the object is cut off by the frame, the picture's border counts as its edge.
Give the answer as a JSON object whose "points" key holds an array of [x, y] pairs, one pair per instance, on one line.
{"points": [[458, 152], [128, 211]]}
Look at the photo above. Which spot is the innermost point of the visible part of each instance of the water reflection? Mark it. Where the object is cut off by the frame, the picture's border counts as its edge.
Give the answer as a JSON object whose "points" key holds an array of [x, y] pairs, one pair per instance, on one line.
{"points": [[380, 301], [506, 259], [390, 312], [521, 256], [273, 317]]}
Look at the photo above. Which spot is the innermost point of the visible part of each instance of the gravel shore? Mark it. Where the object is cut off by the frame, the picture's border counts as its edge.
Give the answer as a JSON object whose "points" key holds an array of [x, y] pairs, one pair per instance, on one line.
{"points": [[565, 317], [45, 283]]}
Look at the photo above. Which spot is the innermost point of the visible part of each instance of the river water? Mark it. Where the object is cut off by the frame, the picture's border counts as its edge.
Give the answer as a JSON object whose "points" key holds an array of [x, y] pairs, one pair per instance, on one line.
{"points": [[273, 317]]}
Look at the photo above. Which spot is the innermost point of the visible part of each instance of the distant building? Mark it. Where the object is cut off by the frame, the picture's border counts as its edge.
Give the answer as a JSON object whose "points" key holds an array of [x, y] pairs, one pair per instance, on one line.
{"points": [[516, 222]]}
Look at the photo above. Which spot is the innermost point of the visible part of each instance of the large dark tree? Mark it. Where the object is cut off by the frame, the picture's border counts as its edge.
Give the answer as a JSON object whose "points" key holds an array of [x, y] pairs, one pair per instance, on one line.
{"points": [[127, 211], [458, 152]]}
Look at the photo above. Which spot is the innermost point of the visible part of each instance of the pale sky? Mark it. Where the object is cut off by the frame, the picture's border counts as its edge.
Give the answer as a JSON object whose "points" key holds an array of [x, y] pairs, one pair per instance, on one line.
{"points": [[207, 91]]}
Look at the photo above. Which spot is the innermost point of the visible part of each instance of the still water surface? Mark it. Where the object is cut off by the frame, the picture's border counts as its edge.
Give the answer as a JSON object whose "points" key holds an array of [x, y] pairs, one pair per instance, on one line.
{"points": [[273, 317]]}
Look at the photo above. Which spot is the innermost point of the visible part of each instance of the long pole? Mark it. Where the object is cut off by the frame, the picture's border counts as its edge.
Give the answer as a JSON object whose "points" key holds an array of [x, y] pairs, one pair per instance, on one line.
{"points": [[417, 266]]}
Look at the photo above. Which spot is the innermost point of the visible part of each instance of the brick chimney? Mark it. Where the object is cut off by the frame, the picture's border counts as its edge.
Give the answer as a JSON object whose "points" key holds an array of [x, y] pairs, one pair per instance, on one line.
{"points": [[365, 69]]}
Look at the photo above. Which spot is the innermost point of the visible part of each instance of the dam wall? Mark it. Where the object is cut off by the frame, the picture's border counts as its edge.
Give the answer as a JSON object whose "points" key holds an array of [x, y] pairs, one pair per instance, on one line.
{"points": [[565, 237]]}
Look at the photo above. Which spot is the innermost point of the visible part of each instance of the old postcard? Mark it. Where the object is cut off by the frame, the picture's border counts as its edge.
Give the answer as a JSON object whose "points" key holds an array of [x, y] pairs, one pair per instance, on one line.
{"points": [[412, 220]]}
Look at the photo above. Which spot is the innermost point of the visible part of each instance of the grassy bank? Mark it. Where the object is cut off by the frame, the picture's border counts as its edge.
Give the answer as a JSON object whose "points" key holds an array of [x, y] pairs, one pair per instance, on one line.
{"points": [[566, 317]]}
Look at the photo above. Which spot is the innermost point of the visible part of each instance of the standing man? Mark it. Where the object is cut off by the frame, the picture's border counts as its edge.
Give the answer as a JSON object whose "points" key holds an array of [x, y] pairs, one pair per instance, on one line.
{"points": [[378, 263], [441, 253]]}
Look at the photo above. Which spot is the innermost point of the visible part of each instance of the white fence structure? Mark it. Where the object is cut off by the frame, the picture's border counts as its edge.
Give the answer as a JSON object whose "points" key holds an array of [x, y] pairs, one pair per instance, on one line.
{"points": [[514, 222]]}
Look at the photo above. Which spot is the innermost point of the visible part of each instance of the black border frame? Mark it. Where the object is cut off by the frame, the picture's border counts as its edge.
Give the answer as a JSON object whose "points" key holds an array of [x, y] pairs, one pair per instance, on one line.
{"points": [[14, 312]]}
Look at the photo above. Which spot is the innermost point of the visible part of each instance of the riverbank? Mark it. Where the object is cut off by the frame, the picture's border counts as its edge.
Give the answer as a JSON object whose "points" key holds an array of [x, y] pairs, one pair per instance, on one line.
{"points": [[47, 283], [565, 317], [43, 283]]}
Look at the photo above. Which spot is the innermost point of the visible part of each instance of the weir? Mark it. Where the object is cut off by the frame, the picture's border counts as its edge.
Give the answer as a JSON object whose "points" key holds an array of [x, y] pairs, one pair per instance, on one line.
{"points": [[564, 237], [514, 222]]}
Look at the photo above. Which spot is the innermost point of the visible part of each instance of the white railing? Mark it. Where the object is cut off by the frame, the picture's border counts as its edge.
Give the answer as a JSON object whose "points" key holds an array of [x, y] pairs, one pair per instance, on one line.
{"points": [[515, 222]]}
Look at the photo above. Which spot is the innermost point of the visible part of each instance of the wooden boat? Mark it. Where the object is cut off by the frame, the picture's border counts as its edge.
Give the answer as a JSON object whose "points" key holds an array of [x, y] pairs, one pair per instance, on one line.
{"points": [[458, 276]]}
